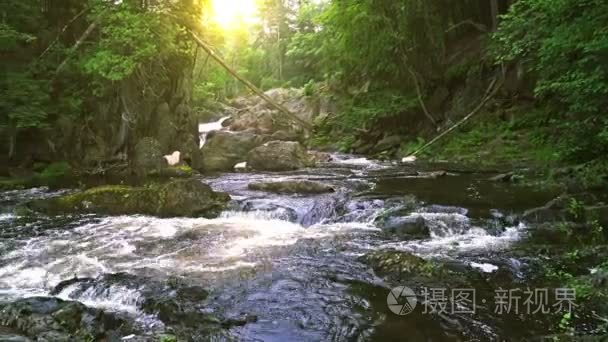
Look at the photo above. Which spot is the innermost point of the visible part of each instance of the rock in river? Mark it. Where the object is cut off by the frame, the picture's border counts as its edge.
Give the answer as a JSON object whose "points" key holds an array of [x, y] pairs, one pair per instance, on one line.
{"points": [[292, 187], [278, 156], [405, 226], [187, 197], [224, 149], [52, 319]]}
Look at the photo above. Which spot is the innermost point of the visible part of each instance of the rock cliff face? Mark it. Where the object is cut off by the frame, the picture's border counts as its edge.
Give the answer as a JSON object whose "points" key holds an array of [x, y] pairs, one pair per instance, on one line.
{"points": [[155, 105], [252, 123]]}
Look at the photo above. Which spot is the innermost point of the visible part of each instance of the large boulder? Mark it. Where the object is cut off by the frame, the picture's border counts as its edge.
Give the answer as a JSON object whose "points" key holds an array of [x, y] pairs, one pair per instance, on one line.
{"points": [[292, 187], [187, 197], [278, 156], [225, 149]]}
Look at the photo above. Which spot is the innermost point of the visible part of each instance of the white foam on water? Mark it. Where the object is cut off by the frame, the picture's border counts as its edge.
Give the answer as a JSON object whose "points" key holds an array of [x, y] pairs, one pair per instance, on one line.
{"points": [[367, 163], [6, 217], [475, 239], [115, 298], [170, 246], [205, 128], [485, 267]]}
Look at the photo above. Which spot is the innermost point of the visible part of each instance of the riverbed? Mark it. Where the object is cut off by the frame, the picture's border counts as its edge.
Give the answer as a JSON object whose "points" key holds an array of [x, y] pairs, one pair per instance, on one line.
{"points": [[288, 267]]}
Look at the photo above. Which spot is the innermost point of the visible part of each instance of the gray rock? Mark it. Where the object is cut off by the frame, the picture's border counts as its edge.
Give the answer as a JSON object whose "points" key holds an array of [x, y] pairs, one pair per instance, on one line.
{"points": [[52, 319], [224, 149], [406, 227], [278, 156]]}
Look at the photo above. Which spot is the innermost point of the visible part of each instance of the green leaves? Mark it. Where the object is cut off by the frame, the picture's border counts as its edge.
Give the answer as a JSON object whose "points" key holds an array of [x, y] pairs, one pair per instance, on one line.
{"points": [[565, 45], [24, 99]]}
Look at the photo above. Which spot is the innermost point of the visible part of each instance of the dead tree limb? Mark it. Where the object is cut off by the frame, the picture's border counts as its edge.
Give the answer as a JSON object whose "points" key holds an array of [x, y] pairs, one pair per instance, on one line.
{"points": [[65, 28], [490, 93], [79, 42], [249, 85]]}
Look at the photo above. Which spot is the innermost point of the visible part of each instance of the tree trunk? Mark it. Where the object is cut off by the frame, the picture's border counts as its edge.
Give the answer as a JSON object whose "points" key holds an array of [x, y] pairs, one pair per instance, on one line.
{"points": [[249, 85], [494, 13], [12, 141], [81, 40]]}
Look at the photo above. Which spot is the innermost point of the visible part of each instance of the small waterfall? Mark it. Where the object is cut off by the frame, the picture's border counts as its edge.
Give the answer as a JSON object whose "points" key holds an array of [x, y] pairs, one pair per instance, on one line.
{"points": [[205, 128]]}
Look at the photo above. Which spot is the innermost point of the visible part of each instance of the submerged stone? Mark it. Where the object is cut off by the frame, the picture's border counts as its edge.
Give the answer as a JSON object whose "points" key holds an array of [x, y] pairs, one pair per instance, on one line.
{"points": [[189, 198], [292, 187]]}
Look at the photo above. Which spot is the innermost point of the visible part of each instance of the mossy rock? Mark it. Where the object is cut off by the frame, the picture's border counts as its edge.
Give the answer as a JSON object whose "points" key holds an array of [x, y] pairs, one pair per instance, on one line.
{"points": [[180, 171], [292, 187], [188, 198], [400, 266]]}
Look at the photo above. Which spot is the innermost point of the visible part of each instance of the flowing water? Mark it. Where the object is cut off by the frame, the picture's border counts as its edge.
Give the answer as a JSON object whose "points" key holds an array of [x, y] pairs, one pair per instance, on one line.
{"points": [[205, 128], [291, 261]]}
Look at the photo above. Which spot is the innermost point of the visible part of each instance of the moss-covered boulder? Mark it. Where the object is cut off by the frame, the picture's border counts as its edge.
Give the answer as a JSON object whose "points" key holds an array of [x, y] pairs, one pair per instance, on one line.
{"points": [[188, 197], [292, 187], [395, 262]]}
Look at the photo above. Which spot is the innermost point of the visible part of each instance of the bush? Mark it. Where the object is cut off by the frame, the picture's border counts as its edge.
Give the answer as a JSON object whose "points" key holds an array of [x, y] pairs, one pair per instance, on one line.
{"points": [[564, 44]]}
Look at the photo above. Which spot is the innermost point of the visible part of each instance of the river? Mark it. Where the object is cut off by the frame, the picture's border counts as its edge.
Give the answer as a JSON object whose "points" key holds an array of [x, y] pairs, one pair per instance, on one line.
{"points": [[290, 264]]}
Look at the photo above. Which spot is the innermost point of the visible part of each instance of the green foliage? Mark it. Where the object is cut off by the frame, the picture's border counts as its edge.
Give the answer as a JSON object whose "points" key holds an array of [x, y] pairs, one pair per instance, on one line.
{"points": [[411, 147], [564, 43], [128, 39], [168, 338], [11, 38], [56, 170], [24, 100]]}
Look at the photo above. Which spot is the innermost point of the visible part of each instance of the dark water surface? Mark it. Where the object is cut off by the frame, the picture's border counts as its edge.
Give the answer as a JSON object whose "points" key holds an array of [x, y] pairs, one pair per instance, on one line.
{"points": [[291, 261]]}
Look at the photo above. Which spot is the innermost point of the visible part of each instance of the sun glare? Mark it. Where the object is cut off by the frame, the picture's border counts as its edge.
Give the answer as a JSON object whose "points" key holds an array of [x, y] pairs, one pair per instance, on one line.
{"points": [[231, 13]]}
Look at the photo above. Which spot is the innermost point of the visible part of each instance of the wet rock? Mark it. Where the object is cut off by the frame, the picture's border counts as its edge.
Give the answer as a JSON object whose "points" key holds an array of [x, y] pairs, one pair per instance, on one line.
{"points": [[180, 305], [558, 209], [239, 321], [278, 156], [320, 157], [189, 198], [505, 177], [53, 319], [405, 227], [400, 265], [147, 157], [433, 174], [224, 149], [292, 187], [273, 210]]}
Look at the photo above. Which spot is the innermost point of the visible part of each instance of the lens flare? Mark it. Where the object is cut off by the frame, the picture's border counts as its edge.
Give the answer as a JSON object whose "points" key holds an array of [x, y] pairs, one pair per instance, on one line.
{"points": [[231, 13]]}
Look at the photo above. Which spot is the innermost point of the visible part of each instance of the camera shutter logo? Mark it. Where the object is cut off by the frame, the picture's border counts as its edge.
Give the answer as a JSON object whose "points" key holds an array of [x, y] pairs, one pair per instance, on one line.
{"points": [[401, 300]]}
